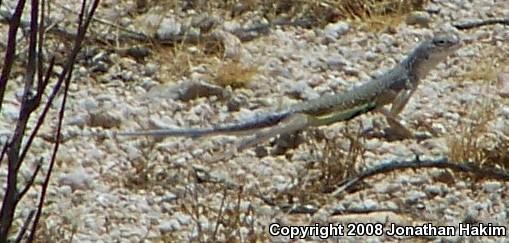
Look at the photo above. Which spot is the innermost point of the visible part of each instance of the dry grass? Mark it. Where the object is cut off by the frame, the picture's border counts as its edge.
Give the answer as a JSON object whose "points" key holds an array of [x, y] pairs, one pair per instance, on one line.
{"points": [[498, 155], [178, 60], [234, 74], [226, 221], [377, 15], [337, 164], [486, 70], [490, 65], [473, 139], [332, 163]]}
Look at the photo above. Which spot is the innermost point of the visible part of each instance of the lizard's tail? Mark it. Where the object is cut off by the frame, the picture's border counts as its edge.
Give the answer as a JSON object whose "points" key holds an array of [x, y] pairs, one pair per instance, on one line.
{"points": [[232, 128]]}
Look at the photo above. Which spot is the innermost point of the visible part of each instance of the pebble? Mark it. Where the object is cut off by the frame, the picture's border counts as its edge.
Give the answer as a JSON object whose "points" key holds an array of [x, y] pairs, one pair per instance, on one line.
{"points": [[168, 29], [505, 111], [414, 196], [433, 190], [335, 30], [182, 218], [336, 62], [151, 69], [370, 204], [386, 188], [169, 197], [491, 186], [78, 120], [105, 118], [10, 112], [77, 180], [192, 90], [419, 18], [351, 71], [169, 226], [503, 85]]}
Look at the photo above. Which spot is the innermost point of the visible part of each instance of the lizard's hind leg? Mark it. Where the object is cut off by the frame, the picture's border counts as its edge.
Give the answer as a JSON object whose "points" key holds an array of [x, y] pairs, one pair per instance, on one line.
{"points": [[290, 124]]}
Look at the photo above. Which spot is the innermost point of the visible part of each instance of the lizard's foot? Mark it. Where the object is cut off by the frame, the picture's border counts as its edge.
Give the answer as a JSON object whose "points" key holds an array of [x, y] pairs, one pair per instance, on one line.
{"points": [[287, 141], [400, 133]]}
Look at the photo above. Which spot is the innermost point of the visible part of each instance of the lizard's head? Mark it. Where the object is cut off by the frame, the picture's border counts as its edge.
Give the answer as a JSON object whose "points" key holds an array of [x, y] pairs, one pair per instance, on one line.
{"points": [[431, 52]]}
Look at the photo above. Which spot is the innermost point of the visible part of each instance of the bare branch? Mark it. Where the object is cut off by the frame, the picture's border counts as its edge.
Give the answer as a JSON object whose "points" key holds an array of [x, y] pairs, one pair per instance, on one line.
{"points": [[10, 199], [4, 150], [470, 24], [24, 228], [30, 182], [11, 48], [84, 21], [471, 168]]}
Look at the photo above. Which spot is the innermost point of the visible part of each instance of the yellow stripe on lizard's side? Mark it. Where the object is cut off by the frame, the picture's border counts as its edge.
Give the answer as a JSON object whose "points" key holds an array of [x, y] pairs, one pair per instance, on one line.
{"points": [[343, 115]]}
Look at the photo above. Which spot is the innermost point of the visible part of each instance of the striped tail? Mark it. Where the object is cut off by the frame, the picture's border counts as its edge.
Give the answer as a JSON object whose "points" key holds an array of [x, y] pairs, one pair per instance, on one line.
{"points": [[227, 129]]}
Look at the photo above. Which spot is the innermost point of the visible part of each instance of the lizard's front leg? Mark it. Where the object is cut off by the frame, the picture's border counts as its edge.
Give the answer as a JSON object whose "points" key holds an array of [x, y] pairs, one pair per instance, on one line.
{"points": [[398, 104]]}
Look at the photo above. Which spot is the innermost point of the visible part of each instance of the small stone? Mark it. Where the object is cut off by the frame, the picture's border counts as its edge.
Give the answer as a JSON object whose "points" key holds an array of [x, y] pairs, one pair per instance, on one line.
{"points": [[232, 44], [335, 30], [99, 67], [370, 204], [433, 190], [10, 112], [105, 118], [204, 22], [77, 179], [79, 120], [351, 71], [503, 85], [183, 218], [370, 56], [169, 197], [504, 111], [387, 188], [261, 151], [414, 196], [138, 52], [419, 18], [336, 62], [169, 226], [492, 186], [235, 102], [168, 29], [148, 84], [151, 69], [193, 90]]}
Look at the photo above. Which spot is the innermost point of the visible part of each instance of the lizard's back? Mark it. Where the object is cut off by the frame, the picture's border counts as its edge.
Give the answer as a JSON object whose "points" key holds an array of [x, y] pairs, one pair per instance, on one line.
{"points": [[381, 90]]}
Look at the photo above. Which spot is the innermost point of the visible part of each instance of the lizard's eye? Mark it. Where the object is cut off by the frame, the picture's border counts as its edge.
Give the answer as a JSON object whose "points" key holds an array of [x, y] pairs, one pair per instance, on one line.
{"points": [[440, 42]]}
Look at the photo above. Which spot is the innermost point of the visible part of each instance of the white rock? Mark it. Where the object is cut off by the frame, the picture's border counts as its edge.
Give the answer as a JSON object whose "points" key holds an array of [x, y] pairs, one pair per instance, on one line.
{"points": [[88, 104], [420, 18], [183, 218], [491, 186], [169, 226], [334, 30], [433, 190], [414, 196], [370, 204], [168, 29], [503, 84], [77, 179], [169, 197], [9, 112]]}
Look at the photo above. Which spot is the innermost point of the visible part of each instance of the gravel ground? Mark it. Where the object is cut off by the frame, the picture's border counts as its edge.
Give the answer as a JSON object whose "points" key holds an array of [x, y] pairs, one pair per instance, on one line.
{"points": [[163, 190]]}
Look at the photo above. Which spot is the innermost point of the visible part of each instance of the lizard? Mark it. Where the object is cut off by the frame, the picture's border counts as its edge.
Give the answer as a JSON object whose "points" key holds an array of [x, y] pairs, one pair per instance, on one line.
{"points": [[394, 87]]}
